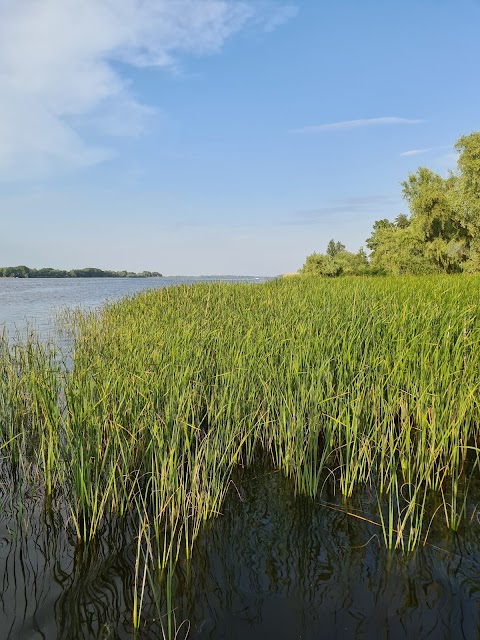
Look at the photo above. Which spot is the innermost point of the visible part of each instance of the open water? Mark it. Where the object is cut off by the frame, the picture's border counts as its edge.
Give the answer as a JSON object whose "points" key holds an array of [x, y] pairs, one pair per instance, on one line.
{"points": [[34, 302]]}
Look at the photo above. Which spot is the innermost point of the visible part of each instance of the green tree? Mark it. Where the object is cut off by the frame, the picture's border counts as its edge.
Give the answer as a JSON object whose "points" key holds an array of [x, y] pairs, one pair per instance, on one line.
{"points": [[342, 262], [442, 232], [334, 248], [319, 264], [380, 229], [465, 195]]}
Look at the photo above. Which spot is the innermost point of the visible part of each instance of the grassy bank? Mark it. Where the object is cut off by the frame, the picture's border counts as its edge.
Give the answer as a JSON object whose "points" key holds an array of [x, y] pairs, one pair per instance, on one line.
{"points": [[350, 383]]}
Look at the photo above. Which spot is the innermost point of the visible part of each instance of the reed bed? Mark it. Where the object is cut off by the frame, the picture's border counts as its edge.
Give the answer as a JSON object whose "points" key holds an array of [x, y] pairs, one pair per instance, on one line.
{"points": [[350, 383]]}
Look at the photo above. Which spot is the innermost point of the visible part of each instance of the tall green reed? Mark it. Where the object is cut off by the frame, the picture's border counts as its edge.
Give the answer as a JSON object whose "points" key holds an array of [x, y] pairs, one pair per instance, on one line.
{"points": [[350, 383]]}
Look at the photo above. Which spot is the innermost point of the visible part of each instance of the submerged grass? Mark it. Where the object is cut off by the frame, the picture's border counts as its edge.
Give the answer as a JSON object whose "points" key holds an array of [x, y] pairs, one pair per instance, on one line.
{"points": [[351, 382]]}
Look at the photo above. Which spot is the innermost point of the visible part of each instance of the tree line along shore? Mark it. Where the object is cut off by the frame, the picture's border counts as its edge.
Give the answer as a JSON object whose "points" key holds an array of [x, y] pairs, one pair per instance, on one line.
{"points": [[89, 272], [441, 233]]}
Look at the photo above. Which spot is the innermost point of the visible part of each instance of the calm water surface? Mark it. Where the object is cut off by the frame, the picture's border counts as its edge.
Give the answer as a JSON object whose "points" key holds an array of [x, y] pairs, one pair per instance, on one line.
{"points": [[273, 566], [34, 302]]}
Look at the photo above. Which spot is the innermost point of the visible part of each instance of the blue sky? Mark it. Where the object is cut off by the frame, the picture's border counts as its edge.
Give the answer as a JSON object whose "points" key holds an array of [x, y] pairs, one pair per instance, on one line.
{"points": [[221, 137]]}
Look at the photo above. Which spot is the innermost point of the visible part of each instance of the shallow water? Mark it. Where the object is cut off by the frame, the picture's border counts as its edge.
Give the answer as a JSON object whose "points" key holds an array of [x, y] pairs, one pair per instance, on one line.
{"points": [[280, 566], [273, 566]]}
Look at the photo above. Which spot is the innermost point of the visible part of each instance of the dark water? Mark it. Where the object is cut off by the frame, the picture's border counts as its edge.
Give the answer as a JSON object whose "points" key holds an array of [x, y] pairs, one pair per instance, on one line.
{"points": [[34, 302], [278, 566], [273, 566]]}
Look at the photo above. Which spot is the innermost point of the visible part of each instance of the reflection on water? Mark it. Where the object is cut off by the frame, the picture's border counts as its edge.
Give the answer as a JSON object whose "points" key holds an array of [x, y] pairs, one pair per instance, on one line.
{"points": [[276, 566], [273, 566], [52, 588]]}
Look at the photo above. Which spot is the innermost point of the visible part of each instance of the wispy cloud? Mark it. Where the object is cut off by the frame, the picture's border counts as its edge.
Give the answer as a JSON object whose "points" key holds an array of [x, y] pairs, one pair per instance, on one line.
{"points": [[417, 152], [59, 67], [341, 208], [414, 152], [356, 124], [276, 16]]}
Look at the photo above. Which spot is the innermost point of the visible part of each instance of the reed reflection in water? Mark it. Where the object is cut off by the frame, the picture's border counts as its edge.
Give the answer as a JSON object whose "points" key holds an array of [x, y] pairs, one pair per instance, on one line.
{"points": [[276, 566], [51, 587], [273, 566]]}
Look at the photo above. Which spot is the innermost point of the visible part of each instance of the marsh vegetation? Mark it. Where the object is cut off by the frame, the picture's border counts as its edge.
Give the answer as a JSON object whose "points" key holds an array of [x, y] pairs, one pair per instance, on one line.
{"points": [[362, 393]]}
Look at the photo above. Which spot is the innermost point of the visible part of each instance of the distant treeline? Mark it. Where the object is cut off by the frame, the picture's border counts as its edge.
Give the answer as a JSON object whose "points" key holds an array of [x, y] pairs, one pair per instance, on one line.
{"points": [[89, 272]]}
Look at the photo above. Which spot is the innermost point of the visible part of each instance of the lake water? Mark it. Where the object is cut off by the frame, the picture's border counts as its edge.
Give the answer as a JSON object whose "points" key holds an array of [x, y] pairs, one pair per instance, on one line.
{"points": [[273, 566], [35, 301]]}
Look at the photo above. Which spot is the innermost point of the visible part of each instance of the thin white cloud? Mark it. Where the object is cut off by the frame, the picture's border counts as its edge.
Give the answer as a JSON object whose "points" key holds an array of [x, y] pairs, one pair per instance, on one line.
{"points": [[356, 124], [34, 141], [59, 67], [417, 152], [278, 16], [414, 152]]}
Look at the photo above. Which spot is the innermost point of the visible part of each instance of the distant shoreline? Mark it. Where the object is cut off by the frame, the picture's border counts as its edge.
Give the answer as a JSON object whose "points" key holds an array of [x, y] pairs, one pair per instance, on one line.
{"points": [[88, 272]]}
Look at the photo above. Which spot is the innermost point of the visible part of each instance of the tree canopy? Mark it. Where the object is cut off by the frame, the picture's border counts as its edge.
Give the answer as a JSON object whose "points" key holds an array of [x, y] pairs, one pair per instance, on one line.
{"points": [[441, 233], [337, 261]]}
